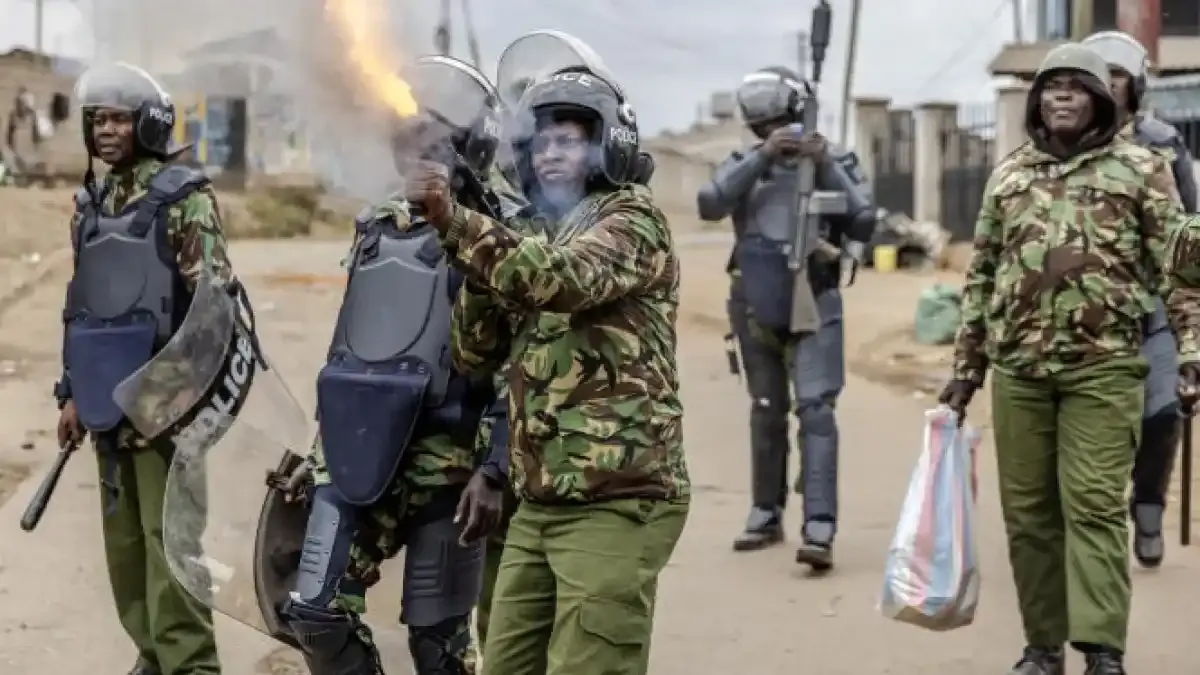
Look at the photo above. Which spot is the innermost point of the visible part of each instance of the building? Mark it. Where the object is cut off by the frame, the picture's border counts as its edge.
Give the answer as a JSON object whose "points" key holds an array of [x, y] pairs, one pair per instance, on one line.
{"points": [[1178, 50]]}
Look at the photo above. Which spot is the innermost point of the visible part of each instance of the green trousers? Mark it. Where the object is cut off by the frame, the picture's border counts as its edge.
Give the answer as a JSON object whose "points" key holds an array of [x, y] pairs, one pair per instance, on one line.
{"points": [[1065, 446], [173, 632], [576, 588]]}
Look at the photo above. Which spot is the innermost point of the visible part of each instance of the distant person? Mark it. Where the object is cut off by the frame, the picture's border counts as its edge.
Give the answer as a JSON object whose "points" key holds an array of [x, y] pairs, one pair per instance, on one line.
{"points": [[756, 187]]}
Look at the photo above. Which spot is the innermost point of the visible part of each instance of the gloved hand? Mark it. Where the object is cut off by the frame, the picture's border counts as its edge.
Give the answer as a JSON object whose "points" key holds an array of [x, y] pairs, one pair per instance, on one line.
{"points": [[1189, 385], [852, 257], [957, 395]]}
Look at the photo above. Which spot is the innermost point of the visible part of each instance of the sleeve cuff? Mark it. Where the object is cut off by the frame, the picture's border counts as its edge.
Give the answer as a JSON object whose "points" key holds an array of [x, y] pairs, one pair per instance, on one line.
{"points": [[460, 225]]}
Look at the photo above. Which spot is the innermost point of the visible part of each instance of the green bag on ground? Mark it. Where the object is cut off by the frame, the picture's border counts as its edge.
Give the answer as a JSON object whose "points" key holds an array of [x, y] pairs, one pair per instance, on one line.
{"points": [[938, 315]]}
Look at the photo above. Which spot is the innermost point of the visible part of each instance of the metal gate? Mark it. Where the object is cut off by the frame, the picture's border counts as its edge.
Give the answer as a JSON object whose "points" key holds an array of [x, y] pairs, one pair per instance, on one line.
{"points": [[894, 176], [968, 155]]}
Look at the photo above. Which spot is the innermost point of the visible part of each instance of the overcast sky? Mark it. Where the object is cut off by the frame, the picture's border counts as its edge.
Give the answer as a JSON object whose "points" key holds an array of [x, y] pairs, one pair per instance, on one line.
{"points": [[670, 54]]}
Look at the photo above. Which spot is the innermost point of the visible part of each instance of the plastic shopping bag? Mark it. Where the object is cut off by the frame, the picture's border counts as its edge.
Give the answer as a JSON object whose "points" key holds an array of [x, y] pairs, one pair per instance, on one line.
{"points": [[932, 574]]}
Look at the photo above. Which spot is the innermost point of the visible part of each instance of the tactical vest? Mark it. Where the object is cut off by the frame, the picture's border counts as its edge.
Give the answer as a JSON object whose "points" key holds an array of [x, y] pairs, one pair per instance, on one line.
{"points": [[126, 297], [763, 240], [388, 378]]}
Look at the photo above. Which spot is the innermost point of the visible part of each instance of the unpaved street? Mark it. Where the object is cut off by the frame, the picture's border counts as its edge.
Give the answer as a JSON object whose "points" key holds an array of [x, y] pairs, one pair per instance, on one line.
{"points": [[718, 612]]}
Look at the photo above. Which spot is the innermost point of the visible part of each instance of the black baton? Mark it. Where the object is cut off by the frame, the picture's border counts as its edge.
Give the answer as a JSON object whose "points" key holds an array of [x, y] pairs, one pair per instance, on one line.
{"points": [[41, 498]]}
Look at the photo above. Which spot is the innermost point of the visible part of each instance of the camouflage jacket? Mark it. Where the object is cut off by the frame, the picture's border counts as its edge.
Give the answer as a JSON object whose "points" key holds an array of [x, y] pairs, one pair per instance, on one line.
{"points": [[587, 326], [1068, 257], [1153, 133]]}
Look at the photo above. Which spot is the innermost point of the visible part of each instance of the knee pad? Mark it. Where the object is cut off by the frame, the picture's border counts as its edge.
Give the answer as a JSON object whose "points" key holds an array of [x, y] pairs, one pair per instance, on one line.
{"points": [[817, 417], [326, 552], [333, 642], [441, 649], [442, 579]]}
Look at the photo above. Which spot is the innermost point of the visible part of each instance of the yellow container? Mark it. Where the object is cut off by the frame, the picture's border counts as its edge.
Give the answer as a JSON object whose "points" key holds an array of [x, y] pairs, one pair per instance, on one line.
{"points": [[884, 257]]}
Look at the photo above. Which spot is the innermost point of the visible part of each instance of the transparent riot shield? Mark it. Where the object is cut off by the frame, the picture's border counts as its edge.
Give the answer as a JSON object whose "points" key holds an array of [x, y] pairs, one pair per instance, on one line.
{"points": [[214, 395], [538, 55]]}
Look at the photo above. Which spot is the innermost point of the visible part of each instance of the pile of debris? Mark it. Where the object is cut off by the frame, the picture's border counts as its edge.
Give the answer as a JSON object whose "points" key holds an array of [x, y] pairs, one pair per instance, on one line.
{"points": [[918, 244]]}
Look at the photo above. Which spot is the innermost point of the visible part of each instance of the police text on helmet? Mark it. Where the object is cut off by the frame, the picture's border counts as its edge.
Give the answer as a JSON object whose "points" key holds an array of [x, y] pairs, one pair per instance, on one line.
{"points": [[164, 116], [622, 135]]}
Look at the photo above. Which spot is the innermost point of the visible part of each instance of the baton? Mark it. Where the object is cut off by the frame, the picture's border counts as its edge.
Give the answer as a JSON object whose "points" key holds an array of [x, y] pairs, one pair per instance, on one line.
{"points": [[41, 498], [1185, 488]]}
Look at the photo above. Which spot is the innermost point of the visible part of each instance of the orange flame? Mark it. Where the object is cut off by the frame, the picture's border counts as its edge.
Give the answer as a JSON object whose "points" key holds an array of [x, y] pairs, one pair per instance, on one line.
{"points": [[360, 22]]}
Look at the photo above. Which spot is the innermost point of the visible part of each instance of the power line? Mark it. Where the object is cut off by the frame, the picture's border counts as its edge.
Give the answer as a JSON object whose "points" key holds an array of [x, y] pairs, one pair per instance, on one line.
{"points": [[965, 48]]}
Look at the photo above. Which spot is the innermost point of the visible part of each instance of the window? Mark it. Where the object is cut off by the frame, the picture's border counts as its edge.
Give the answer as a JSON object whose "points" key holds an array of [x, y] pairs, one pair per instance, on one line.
{"points": [[1104, 15], [1055, 19], [1180, 17]]}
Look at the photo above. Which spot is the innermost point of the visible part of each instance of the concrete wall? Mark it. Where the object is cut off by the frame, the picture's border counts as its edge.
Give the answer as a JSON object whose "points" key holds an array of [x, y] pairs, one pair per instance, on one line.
{"points": [[63, 153]]}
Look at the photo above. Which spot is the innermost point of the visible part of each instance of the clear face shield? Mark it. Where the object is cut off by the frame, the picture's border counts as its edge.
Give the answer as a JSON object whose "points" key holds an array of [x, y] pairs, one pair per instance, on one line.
{"points": [[537, 55], [118, 86], [1120, 51], [765, 97], [456, 115]]}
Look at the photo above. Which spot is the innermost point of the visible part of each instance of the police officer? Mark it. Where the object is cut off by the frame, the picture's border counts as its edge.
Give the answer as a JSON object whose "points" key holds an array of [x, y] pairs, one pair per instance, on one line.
{"points": [[1161, 424], [142, 234], [757, 188], [396, 463]]}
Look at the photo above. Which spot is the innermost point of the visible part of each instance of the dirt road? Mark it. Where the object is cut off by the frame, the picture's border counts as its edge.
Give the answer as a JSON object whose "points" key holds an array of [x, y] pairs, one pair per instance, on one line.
{"points": [[719, 612]]}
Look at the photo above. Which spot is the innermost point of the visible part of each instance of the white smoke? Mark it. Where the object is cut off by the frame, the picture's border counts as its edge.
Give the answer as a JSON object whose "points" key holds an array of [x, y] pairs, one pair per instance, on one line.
{"points": [[287, 59]]}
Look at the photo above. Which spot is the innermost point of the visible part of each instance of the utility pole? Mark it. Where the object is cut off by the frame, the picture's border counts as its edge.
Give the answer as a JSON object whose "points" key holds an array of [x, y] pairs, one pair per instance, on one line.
{"points": [[851, 60], [441, 37], [1142, 20], [1018, 22], [802, 54], [1083, 19], [472, 37], [39, 21]]}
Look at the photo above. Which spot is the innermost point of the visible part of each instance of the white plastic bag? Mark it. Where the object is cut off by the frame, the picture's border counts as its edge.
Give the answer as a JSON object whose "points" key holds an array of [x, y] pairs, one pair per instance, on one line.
{"points": [[932, 574]]}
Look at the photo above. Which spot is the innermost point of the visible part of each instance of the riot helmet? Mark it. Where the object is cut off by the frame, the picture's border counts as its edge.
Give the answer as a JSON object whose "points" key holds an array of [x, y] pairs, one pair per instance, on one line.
{"points": [[126, 87], [1123, 51], [458, 111], [772, 95], [552, 76]]}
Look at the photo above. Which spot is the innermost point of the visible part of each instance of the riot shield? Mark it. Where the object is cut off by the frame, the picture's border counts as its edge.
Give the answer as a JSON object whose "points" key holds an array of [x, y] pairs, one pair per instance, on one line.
{"points": [[213, 393], [542, 53]]}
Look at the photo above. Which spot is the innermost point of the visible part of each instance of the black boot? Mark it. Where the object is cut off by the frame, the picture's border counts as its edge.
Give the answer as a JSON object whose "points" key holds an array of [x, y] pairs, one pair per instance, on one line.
{"points": [[1148, 546], [817, 549], [764, 527], [144, 667], [1106, 662], [1039, 661]]}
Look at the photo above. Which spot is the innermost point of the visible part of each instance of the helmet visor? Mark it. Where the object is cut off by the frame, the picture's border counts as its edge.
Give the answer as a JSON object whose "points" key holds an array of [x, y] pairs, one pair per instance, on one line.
{"points": [[763, 97], [119, 86]]}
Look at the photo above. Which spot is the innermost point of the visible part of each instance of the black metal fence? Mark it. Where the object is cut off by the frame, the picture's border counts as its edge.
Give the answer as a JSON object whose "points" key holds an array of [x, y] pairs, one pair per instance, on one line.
{"points": [[895, 162], [968, 155]]}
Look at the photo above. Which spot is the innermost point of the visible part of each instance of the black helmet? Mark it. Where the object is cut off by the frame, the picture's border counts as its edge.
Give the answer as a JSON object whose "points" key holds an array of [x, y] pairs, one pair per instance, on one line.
{"points": [[772, 94], [126, 87], [456, 104], [553, 75]]}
